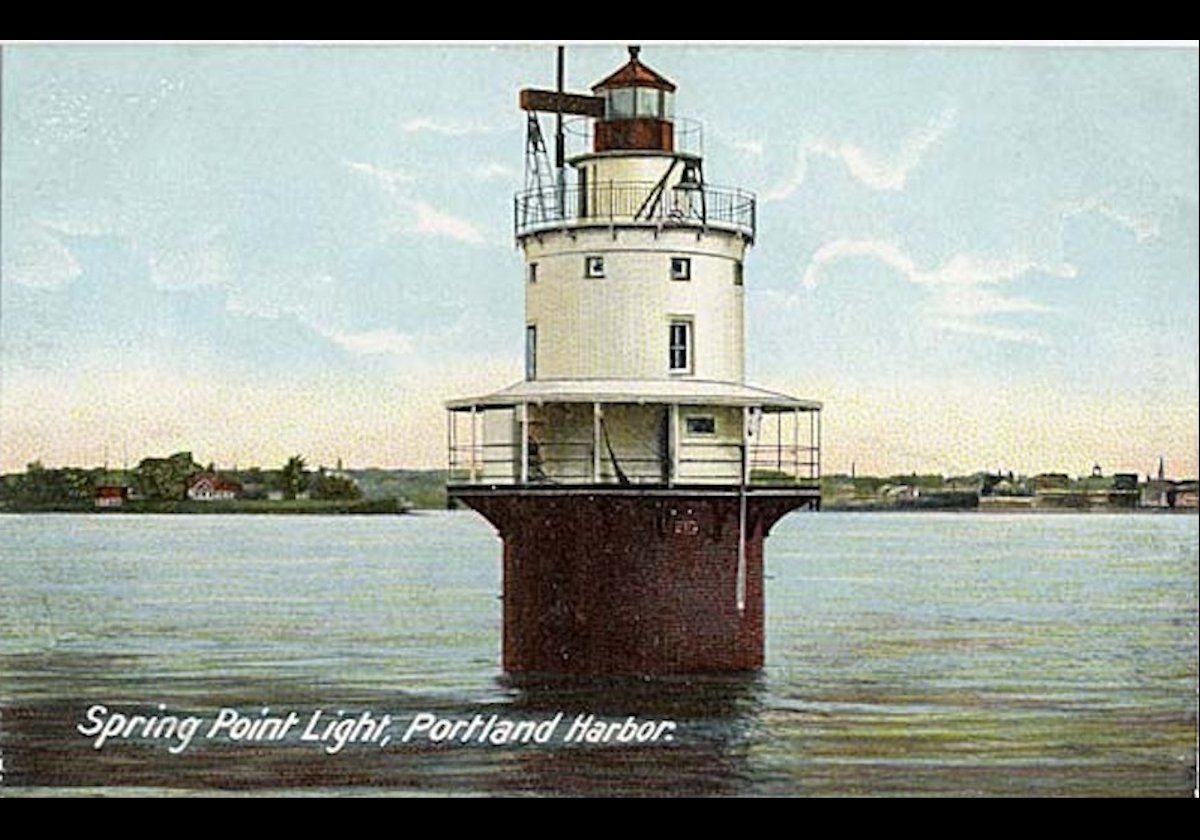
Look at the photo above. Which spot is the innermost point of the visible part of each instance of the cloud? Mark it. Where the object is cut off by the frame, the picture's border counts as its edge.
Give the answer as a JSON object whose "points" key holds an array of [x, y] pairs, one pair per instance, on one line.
{"points": [[960, 270], [870, 169], [389, 179], [433, 222], [373, 342], [429, 221], [753, 148], [962, 291], [427, 125], [1143, 228], [495, 172], [40, 259], [990, 331]]}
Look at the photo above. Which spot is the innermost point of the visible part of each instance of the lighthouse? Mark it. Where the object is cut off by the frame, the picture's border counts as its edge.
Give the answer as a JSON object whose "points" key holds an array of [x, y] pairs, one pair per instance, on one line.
{"points": [[632, 474]]}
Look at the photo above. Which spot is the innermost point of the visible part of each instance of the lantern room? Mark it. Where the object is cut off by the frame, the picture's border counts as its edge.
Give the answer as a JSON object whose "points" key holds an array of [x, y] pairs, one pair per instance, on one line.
{"points": [[639, 109]]}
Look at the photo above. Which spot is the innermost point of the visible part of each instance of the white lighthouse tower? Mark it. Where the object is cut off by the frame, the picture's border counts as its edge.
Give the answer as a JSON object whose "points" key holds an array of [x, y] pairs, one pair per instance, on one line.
{"points": [[632, 474]]}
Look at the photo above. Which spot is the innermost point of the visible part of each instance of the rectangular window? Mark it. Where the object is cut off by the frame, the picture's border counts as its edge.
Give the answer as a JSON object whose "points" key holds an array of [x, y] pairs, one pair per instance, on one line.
{"points": [[681, 347], [593, 266], [681, 268], [737, 274], [701, 424], [533, 272], [531, 351], [620, 104], [648, 102]]}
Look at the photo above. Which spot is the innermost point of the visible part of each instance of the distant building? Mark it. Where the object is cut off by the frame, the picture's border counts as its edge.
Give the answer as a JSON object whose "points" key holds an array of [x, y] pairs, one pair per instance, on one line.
{"points": [[1125, 481], [208, 487], [110, 496], [1185, 495], [1051, 483], [1158, 493], [901, 492]]}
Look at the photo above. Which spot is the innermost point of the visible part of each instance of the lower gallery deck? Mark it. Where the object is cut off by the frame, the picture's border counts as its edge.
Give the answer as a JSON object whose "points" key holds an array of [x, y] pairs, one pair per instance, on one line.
{"points": [[633, 434]]}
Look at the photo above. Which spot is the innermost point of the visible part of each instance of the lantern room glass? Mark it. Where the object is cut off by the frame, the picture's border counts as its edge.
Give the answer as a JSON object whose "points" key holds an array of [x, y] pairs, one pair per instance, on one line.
{"points": [[620, 104]]}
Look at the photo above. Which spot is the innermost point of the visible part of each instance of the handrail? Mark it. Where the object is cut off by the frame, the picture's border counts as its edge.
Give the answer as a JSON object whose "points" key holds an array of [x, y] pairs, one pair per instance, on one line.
{"points": [[625, 202]]}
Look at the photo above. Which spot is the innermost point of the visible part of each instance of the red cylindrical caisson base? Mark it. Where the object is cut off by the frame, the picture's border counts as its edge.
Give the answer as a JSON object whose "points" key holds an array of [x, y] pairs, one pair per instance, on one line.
{"points": [[629, 583]]}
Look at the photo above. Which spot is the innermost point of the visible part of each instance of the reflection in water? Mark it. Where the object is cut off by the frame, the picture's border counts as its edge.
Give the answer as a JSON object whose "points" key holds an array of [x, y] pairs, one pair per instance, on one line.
{"points": [[715, 715]]}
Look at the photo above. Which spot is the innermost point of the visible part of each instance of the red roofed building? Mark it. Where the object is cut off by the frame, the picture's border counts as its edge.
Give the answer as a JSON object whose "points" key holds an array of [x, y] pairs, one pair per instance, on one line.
{"points": [[110, 495], [210, 487]]}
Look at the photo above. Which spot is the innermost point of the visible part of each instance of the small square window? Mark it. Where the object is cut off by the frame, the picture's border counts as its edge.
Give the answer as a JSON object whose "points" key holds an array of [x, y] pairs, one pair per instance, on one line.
{"points": [[737, 274], [681, 268], [593, 266], [702, 424], [533, 272]]}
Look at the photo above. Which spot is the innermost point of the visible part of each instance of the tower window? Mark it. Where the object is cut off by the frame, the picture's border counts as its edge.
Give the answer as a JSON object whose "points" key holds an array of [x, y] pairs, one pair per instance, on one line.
{"points": [[533, 272], [531, 351], [681, 268], [593, 266], [737, 273], [681, 347], [701, 424]]}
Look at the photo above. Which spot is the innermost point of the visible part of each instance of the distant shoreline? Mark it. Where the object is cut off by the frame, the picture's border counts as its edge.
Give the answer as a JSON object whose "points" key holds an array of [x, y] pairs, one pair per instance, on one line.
{"points": [[376, 509], [1087, 511], [296, 507]]}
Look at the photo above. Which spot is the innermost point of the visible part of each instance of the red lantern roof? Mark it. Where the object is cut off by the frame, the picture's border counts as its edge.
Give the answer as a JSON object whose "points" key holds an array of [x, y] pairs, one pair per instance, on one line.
{"points": [[634, 74]]}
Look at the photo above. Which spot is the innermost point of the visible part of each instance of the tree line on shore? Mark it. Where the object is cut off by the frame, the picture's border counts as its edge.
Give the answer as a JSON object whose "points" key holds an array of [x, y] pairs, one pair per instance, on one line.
{"points": [[166, 479]]}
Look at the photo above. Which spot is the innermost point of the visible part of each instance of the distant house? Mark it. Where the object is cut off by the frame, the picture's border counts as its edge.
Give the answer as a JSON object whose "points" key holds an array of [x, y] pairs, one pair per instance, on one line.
{"points": [[1050, 483], [210, 487], [1186, 495], [1125, 481], [1158, 493], [901, 492], [110, 496]]}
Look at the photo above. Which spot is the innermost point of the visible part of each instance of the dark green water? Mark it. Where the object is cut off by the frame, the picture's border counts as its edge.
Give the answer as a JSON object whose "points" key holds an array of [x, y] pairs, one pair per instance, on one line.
{"points": [[926, 654]]}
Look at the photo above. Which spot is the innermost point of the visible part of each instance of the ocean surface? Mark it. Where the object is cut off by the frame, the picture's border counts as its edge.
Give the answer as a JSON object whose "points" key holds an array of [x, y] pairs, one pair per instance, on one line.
{"points": [[907, 654]]}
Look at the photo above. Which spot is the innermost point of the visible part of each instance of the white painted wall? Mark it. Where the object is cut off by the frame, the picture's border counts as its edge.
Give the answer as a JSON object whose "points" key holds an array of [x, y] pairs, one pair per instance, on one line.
{"points": [[617, 326]]}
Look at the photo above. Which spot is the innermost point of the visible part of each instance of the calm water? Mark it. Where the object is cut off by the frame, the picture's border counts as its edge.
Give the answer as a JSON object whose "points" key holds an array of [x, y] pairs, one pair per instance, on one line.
{"points": [[907, 654]]}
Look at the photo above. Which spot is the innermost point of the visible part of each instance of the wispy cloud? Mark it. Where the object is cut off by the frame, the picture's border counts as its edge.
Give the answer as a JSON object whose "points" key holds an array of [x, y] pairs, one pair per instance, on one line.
{"points": [[869, 168], [990, 331], [428, 125], [426, 219], [495, 172], [1143, 228], [753, 148], [389, 179], [963, 290], [373, 342], [39, 259], [434, 222]]}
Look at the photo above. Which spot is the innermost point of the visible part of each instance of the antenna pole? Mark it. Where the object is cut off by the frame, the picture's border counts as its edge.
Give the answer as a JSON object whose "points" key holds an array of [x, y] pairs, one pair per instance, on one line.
{"points": [[558, 133]]}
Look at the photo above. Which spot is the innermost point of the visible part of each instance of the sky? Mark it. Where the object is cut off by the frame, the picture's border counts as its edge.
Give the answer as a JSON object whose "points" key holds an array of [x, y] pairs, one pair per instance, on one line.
{"points": [[977, 258]]}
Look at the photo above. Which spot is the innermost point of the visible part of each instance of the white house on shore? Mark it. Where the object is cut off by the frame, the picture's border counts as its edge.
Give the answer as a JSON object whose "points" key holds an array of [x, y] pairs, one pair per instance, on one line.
{"points": [[210, 487]]}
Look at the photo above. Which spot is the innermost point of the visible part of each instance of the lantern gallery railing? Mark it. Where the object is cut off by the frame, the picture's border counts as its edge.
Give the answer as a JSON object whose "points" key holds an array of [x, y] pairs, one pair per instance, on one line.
{"points": [[486, 448], [632, 202]]}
